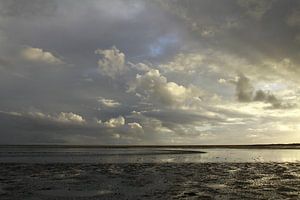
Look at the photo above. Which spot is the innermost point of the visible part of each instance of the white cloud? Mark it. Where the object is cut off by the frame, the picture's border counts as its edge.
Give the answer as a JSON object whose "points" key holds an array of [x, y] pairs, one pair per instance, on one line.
{"points": [[135, 125], [70, 117], [114, 122], [62, 117], [13, 113], [39, 55], [112, 63], [108, 103], [155, 87], [135, 128], [222, 81]]}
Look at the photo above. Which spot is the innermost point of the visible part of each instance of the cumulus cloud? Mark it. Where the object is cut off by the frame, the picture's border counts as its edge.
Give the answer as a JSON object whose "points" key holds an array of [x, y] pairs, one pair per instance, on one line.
{"points": [[156, 88], [222, 81], [246, 93], [108, 103], [70, 117], [121, 129], [39, 55], [114, 122], [71, 127], [112, 62], [184, 52]]}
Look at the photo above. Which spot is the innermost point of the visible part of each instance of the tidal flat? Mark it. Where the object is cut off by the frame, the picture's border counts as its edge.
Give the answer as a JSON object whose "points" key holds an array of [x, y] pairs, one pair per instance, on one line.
{"points": [[62, 181], [65, 173]]}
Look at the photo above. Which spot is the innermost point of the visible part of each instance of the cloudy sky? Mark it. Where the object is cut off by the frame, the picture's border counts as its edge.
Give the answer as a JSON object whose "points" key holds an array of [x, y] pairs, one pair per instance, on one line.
{"points": [[149, 71]]}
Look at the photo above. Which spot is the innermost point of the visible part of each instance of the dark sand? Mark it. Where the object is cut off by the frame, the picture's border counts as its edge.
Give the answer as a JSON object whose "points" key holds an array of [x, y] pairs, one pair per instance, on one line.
{"points": [[150, 181]]}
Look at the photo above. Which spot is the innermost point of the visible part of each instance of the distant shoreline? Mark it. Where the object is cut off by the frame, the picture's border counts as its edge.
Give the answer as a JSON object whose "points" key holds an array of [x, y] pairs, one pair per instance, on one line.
{"points": [[250, 146]]}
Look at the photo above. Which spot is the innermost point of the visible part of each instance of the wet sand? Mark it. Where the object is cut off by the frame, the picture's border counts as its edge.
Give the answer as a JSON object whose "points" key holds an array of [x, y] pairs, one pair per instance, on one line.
{"points": [[150, 181]]}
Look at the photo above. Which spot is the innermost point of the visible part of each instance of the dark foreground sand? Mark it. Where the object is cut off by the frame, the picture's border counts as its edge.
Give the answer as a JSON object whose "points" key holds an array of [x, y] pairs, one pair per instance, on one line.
{"points": [[150, 181]]}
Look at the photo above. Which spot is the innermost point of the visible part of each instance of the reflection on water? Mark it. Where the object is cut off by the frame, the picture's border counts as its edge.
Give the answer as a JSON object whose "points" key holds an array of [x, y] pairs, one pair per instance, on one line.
{"points": [[145, 155]]}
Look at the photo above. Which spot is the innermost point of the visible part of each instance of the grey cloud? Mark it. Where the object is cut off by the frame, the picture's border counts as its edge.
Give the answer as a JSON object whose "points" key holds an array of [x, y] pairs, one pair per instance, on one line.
{"points": [[294, 18], [33, 128], [29, 8], [255, 8], [246, 93], [244, 89], [180, 49], [183, 116], [4, 63], [247, 37]]}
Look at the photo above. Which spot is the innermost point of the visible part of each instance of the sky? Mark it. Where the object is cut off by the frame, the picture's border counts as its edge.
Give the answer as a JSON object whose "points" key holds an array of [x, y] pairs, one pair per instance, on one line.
{"points": [[149, 71]]}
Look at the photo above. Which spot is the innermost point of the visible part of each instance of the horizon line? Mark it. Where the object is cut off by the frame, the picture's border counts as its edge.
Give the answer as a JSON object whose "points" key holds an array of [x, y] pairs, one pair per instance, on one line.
{"points": [[240, 146]]}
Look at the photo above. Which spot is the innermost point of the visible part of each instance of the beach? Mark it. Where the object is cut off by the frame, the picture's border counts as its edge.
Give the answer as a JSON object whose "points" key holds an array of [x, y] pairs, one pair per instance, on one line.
{"points": [[150, 181], [43, 172]]}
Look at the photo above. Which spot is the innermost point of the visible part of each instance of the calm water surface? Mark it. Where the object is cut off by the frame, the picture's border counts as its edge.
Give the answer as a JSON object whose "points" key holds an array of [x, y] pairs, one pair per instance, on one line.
{"points": [[145, 155]]}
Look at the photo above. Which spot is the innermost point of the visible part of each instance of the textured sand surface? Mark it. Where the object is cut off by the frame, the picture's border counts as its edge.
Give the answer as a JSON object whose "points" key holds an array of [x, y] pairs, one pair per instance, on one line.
{"points": [[150, 181]]}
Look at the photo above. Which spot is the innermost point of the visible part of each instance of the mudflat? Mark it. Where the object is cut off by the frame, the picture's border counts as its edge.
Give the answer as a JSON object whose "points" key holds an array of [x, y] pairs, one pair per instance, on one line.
{"points": [[267, 180]]}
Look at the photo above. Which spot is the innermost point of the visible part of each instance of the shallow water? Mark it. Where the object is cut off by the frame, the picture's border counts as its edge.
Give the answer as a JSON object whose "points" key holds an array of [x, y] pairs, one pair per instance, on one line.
{"points": [[145, 155]]}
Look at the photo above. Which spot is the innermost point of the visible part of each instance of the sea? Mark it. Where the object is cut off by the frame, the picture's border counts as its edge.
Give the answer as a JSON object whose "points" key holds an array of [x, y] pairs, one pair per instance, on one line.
{"points": [[143, 155]]}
